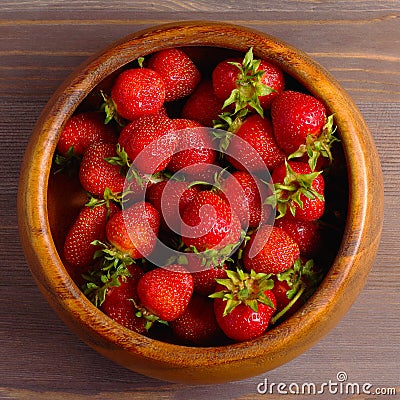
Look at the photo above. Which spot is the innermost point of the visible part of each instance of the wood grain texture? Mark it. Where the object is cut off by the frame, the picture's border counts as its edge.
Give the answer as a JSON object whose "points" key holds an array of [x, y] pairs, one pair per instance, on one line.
{"points": [[355, 40]]}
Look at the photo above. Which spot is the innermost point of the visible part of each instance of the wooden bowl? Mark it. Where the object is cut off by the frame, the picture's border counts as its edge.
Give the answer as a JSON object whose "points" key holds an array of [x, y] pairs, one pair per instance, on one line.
{"points": [[47, 206]]}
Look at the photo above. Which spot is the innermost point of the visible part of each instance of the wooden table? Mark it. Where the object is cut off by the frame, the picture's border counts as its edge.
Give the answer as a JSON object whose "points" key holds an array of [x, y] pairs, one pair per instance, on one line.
{"points": [[43, 41]]}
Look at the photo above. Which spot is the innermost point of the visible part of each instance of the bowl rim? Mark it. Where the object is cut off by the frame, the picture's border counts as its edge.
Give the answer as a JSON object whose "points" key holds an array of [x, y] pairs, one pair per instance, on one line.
{"points": [[363, 199]]}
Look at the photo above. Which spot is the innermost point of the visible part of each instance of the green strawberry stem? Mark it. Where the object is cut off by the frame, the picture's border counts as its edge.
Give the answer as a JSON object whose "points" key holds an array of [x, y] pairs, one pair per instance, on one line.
{"points": [[215, 185], [242, 287], [288, 194], [225, 127], [69, 163], [281, 313], [110, 110], [302, 279], [121, 159], [108, 196], [143, 179], [100, 280], [249, 86], [316, 146], [214, 257], [150, 319], [111, 257], [246, 238]]}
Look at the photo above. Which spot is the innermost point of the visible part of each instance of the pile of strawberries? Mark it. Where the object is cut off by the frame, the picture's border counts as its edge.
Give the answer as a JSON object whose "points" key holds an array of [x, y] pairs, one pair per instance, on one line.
{"points": [[204, 222]]}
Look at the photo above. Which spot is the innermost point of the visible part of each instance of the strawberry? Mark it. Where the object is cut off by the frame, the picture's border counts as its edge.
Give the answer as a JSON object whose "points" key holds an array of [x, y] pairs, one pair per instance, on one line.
{"points": [[270, 250], [317, 149], [205, 279], [296, 115], [83, 129], [117, 302], [133, 231], [282, 292], [203, 173], [96, 174], [294, 286], [197, 325], [137, 184], [247, 83], [128, 128], [299, 190], [90, 225], [165, 292], [170, 198], [248, 201], [179, 73], [305, 233], [136, 92], [202, 105], [150, 142], [208, 223], [244, 304], [256, 132], [195, 146]]}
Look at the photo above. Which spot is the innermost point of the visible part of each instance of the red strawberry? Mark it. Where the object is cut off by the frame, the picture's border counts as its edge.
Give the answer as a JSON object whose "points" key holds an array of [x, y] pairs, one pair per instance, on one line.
{"points": [[137, 184], [294, 286], [247, 83], [244, 304], [118, 304], [224, 77], [195, 146], [209, 223], [248, 201], [170, 198], [137, 92], [202, 105], [202, 173], [305, 233], [150, 142], [125, 133], [96, 174], [270, 250], [90, 225], [133, 231], [317, 149], [296, 115], [299, 190], [165, 292], [256, 132], [281, 291], [83, 129], [197, 325], [179, 73], [205, 279]]}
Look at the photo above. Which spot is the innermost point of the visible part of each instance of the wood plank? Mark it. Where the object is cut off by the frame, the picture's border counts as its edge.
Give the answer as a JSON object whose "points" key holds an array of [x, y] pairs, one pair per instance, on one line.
{"points": [[371, 71], [279, 6], [357, 41]]}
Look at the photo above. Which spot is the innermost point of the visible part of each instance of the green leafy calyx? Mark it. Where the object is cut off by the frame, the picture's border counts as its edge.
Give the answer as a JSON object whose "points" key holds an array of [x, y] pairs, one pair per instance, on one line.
{"points": [[244, 288], [302, 279], [288, 195], [99, 281], [248, 85], [318, 146]]}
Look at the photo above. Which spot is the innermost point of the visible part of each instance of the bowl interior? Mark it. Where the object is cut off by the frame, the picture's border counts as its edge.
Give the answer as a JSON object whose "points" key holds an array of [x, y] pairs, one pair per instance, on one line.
{"points": [[66, 196]]}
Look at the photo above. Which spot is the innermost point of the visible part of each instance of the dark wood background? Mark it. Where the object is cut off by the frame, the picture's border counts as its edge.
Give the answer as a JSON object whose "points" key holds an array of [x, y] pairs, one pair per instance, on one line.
{"points": [[41, 42]]}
